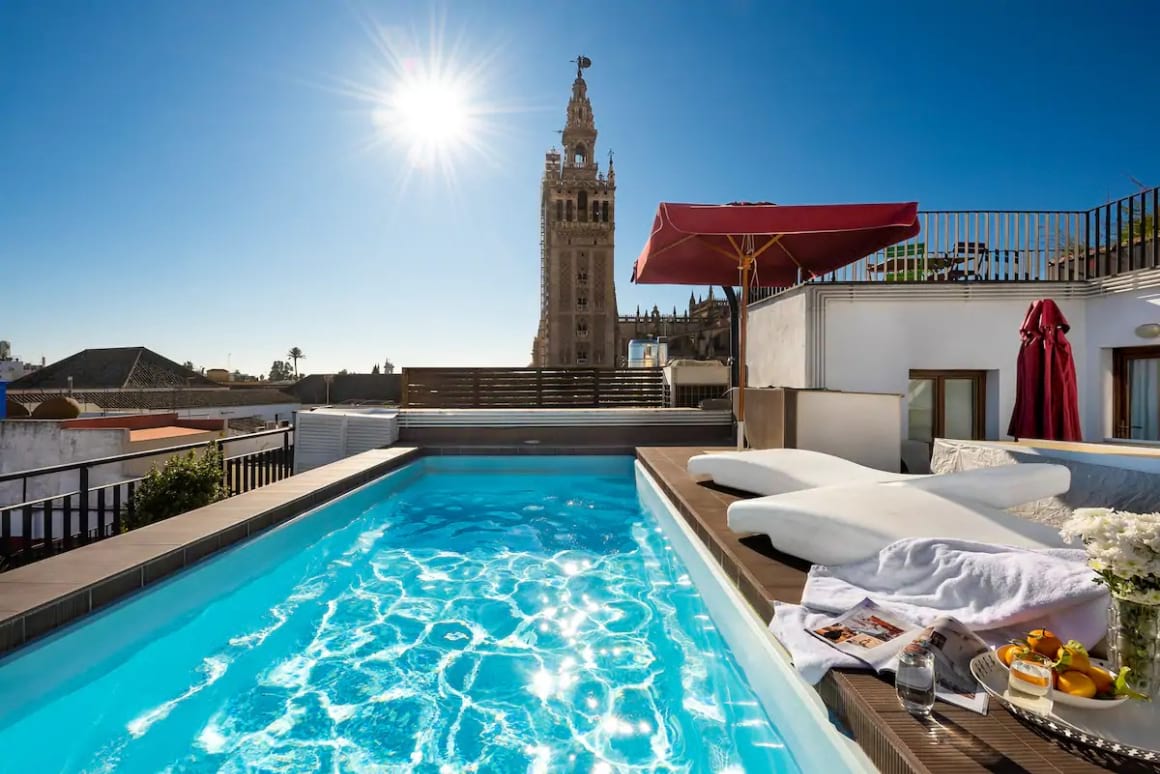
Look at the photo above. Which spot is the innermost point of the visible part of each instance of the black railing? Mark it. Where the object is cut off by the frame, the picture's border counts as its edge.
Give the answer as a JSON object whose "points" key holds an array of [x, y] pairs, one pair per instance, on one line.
{"points": [[1015, 246], [50, 525]]}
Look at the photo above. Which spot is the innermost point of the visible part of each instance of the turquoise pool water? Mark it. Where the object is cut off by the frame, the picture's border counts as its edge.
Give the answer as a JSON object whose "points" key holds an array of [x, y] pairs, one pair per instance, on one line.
{"points": [[463, 614]]}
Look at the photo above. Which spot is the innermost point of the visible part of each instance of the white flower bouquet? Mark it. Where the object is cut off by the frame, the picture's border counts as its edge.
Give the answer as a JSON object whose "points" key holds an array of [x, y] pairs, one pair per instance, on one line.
{"points": [[1124, 550]]}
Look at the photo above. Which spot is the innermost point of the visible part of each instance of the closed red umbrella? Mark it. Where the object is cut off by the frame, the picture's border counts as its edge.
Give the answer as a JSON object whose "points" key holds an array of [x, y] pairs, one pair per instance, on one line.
{"points": [[1046, 397], [764, 245]]}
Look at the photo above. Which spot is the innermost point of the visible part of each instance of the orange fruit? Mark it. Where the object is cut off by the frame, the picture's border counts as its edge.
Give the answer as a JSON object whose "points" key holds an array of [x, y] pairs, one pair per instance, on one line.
{"points": [[1006, 653], [1076, 684], [1044, 641], [1073, 656], [1105, 681]]}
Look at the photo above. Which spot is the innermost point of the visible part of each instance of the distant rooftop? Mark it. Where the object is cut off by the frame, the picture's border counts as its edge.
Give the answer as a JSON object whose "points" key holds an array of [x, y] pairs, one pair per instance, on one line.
{"points": [[167, 431], [160, 399], [114, 368]]}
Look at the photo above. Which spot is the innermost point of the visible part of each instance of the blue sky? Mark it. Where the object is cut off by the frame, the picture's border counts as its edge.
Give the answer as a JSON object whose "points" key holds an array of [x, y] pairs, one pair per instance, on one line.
{"points": [[201, 178]]}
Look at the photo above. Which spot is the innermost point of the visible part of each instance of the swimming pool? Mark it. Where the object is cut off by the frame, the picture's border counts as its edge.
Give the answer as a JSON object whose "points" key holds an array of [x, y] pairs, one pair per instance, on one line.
{"points": [[460, 614]]}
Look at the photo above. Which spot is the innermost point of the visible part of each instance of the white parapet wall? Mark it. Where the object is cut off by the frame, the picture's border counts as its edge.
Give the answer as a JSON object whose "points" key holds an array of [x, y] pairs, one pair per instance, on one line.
{"points": [[326, 435], [858, 426]]}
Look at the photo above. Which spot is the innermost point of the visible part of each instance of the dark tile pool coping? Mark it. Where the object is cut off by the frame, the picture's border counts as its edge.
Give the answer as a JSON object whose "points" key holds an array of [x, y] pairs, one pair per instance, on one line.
{"points": [[44, 595], [953, 741]]}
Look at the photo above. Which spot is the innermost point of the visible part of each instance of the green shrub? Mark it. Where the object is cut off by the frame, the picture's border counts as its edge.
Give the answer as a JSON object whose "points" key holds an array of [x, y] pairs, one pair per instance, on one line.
{"points": [[184, 482]]}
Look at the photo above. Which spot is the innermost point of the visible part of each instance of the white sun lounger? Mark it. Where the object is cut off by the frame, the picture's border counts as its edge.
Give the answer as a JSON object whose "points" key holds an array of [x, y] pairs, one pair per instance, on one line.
{"points": [[839, 524], [779, 471]]}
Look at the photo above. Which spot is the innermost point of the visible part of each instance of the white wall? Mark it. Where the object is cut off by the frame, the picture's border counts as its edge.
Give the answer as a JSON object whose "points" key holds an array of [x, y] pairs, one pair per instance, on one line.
{"points": [[250, 445], [1111, 322], [872, 345], [858, 427], [32, 443], [11, 370], [776, 343], [272, 412], [872, 336]]}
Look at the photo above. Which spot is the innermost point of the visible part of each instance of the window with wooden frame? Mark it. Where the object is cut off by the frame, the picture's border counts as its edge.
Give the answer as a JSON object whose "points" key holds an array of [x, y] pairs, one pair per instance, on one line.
{"points": [[946, 404], [1136, 393]]}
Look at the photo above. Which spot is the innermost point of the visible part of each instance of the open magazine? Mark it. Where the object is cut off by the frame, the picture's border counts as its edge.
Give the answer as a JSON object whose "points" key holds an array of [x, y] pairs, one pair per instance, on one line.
{"points": [[876, 636]]}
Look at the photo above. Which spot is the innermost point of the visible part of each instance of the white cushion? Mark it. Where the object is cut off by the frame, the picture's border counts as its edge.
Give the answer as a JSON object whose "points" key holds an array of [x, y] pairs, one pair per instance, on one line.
{"points": [[778, 471], [840, 524], [999, 486]]}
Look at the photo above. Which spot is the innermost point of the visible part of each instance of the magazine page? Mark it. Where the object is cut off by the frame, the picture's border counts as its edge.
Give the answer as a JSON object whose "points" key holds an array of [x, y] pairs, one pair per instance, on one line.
{"points": [[953, 646], [869, 633]]}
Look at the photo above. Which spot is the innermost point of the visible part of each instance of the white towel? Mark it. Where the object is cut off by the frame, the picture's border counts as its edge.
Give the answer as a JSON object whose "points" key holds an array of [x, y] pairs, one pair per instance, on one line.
{"points": [[997, 591]]}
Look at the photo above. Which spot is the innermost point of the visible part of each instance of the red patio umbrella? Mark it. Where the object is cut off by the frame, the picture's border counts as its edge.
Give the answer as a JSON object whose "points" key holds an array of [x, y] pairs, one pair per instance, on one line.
{"points": [[764, 245], [1046, 398]]}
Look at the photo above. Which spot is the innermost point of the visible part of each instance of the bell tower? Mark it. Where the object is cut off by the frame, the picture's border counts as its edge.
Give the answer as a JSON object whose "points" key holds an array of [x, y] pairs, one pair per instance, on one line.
{"points": [[577, 223]]}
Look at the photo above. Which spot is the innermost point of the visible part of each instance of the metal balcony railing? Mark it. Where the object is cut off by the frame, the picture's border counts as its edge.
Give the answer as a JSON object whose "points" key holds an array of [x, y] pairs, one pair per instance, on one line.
{"points": [[1016, 246], [35, 528]]}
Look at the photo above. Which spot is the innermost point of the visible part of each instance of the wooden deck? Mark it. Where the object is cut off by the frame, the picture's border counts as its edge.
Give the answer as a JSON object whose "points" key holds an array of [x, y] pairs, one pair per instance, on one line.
{"points": [[953, 740]]}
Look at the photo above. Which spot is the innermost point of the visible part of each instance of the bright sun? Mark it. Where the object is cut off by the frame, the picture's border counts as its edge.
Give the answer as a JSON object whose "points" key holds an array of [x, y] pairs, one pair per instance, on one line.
{"points": [[430, 116], [429, 101]]}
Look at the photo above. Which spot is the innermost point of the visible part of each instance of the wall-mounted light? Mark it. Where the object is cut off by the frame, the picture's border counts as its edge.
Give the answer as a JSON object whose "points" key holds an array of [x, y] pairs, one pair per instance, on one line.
{"points": [[1148, 331]]}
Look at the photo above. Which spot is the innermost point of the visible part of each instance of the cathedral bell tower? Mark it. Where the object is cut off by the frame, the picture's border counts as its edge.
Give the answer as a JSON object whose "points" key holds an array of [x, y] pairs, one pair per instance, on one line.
{"points": [[577, 216]]}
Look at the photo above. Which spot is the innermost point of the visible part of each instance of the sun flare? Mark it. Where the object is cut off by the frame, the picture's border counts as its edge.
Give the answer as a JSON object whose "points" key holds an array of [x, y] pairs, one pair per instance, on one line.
{"points": [[432, 103], [430, 117]]}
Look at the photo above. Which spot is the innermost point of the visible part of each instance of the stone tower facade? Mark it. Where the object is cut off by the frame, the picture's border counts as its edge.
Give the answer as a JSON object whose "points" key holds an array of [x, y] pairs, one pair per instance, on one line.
{"points": [[577, 215]]}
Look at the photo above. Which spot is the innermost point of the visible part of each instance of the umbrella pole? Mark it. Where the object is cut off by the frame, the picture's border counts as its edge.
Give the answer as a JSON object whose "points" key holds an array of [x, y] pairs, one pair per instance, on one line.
{"points": [[743, 372]]}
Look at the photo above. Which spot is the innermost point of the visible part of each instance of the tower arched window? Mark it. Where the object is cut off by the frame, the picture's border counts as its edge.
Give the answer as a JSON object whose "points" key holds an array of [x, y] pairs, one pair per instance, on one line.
{"points": [[595, 212], [582, 205], [582, 329], [604, 211], [559, 209], [579, 155], [569, 209]]}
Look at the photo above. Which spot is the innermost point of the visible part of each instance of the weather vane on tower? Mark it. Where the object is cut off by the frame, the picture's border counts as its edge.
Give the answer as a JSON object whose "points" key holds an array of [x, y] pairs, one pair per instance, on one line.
{"points": [[582, 62]]}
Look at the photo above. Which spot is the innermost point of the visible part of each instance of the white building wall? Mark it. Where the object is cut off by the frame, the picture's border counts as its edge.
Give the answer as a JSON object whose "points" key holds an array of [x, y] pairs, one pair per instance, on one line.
{"points": [[30, 443], [776, 343], [274, 412], [868, 338], [11, 370], [862, 428], [1111, 322], [872, 345]]}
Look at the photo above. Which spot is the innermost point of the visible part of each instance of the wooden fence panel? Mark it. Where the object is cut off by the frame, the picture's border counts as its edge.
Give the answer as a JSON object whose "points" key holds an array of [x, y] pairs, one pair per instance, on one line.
{"points": [[533, 388]]}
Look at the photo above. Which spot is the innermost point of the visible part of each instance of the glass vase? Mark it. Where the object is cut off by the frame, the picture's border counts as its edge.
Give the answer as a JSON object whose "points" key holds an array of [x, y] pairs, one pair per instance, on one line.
{"points": [[1134, 642]]}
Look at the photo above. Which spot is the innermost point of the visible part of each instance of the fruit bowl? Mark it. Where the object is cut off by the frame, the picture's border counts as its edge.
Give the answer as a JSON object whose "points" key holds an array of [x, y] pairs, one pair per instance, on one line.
{"points": [[995, 683], [1131, 732]]}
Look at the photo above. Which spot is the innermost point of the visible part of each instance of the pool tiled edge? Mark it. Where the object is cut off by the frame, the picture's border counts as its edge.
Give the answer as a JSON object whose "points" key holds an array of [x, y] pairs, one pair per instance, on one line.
{"points": [[44, 595]]}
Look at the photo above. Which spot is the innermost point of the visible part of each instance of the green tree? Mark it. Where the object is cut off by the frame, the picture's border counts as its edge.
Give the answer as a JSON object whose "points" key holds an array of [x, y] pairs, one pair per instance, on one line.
{"points": [[1137, 229], [184, 482], [280, 371], [188, 365], [343, 372], [295, 354]]}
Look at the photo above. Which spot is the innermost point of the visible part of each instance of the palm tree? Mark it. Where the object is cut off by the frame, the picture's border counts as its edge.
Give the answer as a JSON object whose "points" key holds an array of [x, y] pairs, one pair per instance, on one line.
{"points": [[295, 354]]}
